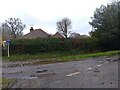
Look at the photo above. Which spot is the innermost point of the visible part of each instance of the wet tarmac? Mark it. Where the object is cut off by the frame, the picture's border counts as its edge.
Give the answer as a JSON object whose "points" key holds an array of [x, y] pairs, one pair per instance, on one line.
{"points": [[90, 73]]}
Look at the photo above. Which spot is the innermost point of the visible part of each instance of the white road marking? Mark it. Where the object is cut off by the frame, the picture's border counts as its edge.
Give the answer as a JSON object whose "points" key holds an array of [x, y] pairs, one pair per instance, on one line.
{"points": [[58, 81], [106, 62], [73, 74], [100, 61], [99, 65], [89, 68], [111, 60]]}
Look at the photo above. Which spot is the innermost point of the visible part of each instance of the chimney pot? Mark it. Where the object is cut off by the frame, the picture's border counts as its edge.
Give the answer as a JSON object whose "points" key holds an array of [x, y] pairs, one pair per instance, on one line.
{"points": [[31, 29]]}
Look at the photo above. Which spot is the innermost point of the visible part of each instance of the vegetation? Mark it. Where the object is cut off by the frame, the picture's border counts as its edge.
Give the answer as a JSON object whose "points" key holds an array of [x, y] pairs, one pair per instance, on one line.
{"points": [[59, 56], [81, 56], [77, 35], [38, 56], [6, 33], [63, 26], [12, 27], [47, 45], [104, 37], [105, 23], [6, 83]]}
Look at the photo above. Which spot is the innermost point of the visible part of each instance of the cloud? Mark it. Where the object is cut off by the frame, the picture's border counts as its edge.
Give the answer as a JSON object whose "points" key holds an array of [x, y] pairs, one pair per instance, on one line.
{"points": [[45, 13]]}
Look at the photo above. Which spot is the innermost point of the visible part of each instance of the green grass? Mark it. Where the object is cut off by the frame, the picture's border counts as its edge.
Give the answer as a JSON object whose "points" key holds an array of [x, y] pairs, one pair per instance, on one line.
{"points": [[82, 56], [59, 56], [6, 83], [40, 56]]}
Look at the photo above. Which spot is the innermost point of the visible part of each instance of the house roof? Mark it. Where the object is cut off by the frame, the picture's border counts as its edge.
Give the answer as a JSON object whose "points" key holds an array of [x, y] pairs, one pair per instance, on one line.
{"points": [[57, 35], [36, 33]]}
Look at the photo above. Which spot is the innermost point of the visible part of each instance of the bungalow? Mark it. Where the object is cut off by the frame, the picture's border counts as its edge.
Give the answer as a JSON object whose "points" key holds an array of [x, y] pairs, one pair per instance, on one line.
{"points": [[40, 33], [35, 34], [57, 35]]}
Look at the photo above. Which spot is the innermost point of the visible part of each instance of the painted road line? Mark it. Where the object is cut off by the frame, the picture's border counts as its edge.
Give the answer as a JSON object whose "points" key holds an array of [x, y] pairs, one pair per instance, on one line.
{"points": [[89, 68], [100, 61], [72, 74], [57, 81], [106, 62], [111, 60], [99, 65]]}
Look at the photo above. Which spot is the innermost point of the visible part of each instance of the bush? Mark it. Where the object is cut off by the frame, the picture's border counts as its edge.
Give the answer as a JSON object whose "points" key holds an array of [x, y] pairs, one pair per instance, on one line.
{"points": [[41, 45], [32, 46], [86, 44]]}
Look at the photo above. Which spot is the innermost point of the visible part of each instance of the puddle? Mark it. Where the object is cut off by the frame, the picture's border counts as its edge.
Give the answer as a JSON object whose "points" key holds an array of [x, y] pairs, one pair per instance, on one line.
{"points": [[41, 71], [96, 71], [108, 58], [39, 75], [22, 77], [29, 77]]}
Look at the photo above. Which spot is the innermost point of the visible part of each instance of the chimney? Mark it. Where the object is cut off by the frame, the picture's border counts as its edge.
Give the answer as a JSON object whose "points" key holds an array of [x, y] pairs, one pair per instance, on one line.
{"points": [[31, 29]]}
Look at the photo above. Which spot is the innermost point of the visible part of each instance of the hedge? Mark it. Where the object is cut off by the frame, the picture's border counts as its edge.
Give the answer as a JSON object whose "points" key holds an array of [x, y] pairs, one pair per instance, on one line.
{"points": [[40, 45]]}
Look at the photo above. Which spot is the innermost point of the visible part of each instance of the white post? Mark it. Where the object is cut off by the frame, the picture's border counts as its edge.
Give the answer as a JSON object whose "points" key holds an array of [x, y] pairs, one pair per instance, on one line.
{"points": [[8, 51]]}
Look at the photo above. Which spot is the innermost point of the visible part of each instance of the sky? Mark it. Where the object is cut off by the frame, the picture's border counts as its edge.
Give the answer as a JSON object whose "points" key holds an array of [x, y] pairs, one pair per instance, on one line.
{"points": [[44, 14]]}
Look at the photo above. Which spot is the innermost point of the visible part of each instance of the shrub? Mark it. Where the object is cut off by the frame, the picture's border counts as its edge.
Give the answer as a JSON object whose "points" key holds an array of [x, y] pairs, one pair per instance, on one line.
{"points": [[32, 46], [86, 44], [41, 45]]}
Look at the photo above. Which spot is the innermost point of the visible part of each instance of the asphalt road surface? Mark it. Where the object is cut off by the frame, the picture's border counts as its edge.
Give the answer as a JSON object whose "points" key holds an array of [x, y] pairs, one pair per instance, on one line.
{"points": [[99, 72]]}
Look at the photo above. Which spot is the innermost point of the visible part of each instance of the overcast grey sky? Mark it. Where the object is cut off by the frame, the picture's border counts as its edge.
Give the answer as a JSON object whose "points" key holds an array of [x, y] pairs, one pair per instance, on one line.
{"points": [[45, 13]]}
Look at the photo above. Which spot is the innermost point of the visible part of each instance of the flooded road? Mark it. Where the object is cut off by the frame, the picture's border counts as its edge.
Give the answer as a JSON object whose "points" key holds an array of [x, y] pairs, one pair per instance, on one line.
{"points": [[99, 72]]}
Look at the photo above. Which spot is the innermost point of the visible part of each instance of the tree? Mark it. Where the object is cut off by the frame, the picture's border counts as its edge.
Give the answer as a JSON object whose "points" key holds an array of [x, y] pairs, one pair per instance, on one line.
{"points": [[105, 23], [0, 39], [63, 27], [75, 35], [6, 33], [0, 31], [15, 26]]}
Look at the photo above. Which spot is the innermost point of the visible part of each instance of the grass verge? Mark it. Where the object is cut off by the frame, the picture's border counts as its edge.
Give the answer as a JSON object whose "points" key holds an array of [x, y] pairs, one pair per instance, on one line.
{"points": [[6, 83], [58, 57], [40, 56], [82, 56]]}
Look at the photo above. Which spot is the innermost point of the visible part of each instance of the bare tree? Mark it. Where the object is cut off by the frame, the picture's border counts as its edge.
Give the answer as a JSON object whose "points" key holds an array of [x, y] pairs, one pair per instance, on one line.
{"points": [[15, 26], [6, 32], [63, 26]]}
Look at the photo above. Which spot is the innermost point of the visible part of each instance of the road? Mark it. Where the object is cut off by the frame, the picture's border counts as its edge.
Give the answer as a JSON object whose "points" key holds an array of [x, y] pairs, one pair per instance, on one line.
{"points": [[99, 72]]}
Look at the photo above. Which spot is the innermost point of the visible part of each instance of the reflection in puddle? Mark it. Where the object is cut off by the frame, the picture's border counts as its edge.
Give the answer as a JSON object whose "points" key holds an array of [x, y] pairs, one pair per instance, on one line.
{"points": [[23, 77], [29, 77]]}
